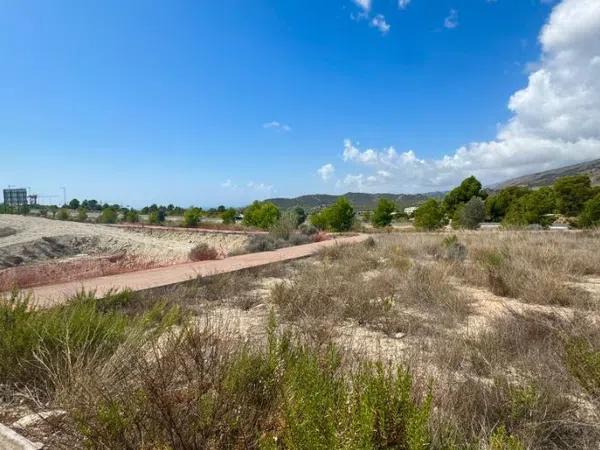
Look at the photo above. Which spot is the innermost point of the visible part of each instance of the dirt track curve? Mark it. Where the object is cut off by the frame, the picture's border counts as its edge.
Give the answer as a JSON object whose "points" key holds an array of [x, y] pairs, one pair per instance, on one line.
{"points": [[45, 296]]}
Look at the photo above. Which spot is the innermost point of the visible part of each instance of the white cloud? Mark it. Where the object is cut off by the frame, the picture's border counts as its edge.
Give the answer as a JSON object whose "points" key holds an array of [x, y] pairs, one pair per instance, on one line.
{"points": [[555, 118], [277, 126], [326, 171], [260, 187], [451, 21], [228, 184], [364, 4], [251, 186], [402, 4], [379, 22]]}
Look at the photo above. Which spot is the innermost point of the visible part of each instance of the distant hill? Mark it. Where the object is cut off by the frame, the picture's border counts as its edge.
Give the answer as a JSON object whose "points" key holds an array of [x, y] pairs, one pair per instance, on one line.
{"points": [[359, 200], [548, 177]]}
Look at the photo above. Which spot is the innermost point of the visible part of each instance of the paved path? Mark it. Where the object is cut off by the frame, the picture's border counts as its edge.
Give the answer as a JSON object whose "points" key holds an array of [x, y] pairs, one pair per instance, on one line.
{"points": [[46, 296]]}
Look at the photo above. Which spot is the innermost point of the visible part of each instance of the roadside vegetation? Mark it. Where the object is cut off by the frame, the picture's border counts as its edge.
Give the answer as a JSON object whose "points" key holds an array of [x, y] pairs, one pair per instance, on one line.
{"points": [[412, 341]]}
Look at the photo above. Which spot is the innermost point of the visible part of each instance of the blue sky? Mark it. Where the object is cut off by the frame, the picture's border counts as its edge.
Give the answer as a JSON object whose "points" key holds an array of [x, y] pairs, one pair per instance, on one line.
{"points": [[209, 102]]}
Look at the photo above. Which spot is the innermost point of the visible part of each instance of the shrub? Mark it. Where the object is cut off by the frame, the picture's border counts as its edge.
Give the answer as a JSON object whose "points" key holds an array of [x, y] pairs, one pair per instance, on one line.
{"points": [[583, 361], [208, 393], [300, 215], [108, 215], [82, 215], [132, 216], [383, 214], [203, 252], [429, 216], [63, 214], [33, 342], [262, 215], [285, 226], [473, 213], [455, 251], [228, 216], [338, 217], [192, 217], [157, 217]]}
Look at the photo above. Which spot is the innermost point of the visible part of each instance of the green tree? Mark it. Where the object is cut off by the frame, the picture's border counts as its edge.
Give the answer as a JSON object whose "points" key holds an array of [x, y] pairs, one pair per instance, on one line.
{"points": [[261, 214], [338, 217], [430, 215], [469, 188], [532, 208], [571, 193], [108, 215], [300, 215], [384, 213], [497, 205], [192, 217], [74, 204], [473, 213], [590, 216], [228, 216]]}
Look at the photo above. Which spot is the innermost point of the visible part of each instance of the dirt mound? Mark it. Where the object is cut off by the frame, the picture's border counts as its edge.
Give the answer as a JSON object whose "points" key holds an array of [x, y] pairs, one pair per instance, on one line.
{"points": [[46, 248], [7, 231]]}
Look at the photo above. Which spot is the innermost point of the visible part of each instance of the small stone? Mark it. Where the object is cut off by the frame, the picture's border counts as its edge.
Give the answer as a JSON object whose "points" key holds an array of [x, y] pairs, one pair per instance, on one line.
{"points": [[34, 419]]}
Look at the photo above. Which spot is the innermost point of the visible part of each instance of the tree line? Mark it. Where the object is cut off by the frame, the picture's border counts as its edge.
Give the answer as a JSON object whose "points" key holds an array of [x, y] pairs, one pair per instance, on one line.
{"points": [[466, 206]]}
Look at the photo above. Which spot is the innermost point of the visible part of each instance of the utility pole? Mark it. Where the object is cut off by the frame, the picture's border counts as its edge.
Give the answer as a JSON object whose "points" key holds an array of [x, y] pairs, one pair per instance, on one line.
{"points": [[64, 189]]}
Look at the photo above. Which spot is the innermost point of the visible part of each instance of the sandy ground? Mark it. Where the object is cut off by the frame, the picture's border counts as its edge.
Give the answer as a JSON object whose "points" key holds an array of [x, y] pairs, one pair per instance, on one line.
{"points": [[37, 239], [36, 250]]}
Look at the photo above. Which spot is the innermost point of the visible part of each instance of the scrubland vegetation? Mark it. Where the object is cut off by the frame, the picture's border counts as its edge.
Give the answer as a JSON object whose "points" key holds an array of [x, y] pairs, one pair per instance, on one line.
{"points": [[418, 340]]}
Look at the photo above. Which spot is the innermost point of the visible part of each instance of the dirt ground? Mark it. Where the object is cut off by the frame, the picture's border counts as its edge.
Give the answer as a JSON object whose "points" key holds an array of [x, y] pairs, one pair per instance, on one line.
{"points": [[35, 250]]}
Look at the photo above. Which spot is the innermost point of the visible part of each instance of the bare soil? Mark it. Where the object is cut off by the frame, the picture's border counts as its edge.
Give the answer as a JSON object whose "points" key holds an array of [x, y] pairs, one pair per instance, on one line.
{"points": [[35, 251]]}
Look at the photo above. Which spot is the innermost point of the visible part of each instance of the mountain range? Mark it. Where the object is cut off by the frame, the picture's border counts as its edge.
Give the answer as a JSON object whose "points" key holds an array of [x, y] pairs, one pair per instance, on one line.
{"points": [[364, 201]]}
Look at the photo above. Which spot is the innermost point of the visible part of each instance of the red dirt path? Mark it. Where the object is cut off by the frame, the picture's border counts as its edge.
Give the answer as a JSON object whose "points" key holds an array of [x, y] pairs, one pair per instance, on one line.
{"points": [[50, 295]]}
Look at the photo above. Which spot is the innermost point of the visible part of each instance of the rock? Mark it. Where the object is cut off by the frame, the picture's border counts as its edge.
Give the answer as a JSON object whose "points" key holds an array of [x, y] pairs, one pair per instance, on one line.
{"points": [[399, 335], [34, 419]]}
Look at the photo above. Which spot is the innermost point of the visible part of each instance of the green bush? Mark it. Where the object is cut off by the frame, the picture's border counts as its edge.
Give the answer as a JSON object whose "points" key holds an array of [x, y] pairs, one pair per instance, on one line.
{"points": [[192, 217], [429, 216], [132, 216], [383, 214], [108, 215], [82, 215], [338, 217], [261, 215], [286, 395], [473, 213], [228, 216], [63, 214], [157, 217], [583, 361]]}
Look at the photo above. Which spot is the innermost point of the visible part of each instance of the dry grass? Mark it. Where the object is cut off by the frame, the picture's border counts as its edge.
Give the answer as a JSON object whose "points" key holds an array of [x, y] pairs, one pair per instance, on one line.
{"points": [[528, 378]]}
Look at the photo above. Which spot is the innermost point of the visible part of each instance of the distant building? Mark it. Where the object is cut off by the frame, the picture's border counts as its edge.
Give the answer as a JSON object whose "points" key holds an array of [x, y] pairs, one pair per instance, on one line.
{"points": [[15, 197], [410, 210]]}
